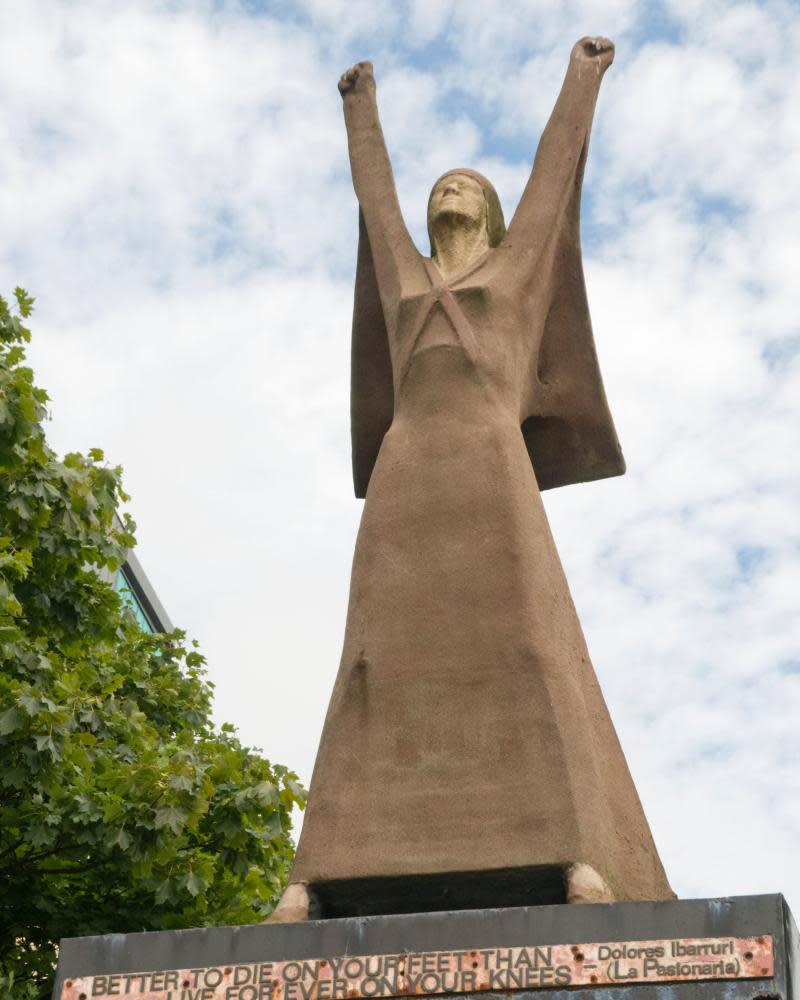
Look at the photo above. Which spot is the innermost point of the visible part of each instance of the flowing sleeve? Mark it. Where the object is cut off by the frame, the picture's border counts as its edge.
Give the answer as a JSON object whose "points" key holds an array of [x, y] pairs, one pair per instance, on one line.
{"points": [[371, 380], [567, 424]]}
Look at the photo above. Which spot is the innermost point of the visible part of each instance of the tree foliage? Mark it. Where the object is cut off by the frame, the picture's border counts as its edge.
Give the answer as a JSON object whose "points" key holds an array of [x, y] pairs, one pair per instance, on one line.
{"points": [[122, 808]]}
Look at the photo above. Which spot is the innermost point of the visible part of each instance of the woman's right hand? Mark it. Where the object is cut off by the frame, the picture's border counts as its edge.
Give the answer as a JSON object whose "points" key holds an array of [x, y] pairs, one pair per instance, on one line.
{"points": [[357, 79]]}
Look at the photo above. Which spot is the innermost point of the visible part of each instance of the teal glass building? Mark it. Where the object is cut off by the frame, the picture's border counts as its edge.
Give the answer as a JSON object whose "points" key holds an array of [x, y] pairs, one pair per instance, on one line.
{"points": [[136, 591]]}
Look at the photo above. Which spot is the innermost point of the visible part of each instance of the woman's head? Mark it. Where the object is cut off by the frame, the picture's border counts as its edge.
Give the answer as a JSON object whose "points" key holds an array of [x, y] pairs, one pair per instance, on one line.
{"points": [[468, 195]]}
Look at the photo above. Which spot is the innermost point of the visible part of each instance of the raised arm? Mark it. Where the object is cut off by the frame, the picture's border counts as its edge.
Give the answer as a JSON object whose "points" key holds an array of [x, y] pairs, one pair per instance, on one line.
{"points": [[372, 175], [558, 166]]}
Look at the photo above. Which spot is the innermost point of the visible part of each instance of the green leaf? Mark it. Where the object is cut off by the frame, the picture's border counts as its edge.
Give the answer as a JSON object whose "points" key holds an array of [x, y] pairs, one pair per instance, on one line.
{"points": [[296, 789], [170, 816], [196, 884], [267, 793], [24, 301], [10, 720], [164, 891], [38, 835], [123, 839], [180, 782], [273, 827], [31, 704], [44, 741]]}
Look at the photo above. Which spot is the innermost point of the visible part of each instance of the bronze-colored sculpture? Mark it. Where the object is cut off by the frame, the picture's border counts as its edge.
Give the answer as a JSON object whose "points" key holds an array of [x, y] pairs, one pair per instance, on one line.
{"points": [[467, 732]]}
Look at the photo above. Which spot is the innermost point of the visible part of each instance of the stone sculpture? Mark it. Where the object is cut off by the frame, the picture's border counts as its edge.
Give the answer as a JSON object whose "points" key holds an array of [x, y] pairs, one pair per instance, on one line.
{"points": [[467, 737]]}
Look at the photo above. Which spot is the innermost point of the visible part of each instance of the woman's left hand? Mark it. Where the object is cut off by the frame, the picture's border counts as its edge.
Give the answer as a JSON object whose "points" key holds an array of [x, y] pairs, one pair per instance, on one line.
{"points": [[596, 50]]}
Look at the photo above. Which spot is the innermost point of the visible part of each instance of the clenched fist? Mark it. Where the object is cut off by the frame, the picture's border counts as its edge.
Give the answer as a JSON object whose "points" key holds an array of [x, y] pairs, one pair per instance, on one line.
{"points": [[597, 50], [357, 79]]}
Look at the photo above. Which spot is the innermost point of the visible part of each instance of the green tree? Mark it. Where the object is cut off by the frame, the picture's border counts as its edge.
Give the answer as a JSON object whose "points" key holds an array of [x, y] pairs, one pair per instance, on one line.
{"points": [[122, 808]]}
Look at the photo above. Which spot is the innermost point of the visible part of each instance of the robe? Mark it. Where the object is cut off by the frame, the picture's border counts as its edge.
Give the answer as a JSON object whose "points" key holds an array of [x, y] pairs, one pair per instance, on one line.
{"points": [[467, 737]]}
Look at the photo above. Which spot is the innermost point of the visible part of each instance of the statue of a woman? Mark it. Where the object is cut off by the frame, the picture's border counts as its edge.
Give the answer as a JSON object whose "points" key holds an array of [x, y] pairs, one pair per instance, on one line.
{"points": [[468, 757]]}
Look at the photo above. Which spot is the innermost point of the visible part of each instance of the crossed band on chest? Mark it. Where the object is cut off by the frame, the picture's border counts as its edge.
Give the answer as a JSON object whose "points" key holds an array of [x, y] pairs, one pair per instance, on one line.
{"points": [[441, 294]]}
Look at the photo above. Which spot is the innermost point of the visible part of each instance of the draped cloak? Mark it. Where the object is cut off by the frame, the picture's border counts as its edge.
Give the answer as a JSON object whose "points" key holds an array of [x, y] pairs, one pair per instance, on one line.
{"points": [[467, 734]]}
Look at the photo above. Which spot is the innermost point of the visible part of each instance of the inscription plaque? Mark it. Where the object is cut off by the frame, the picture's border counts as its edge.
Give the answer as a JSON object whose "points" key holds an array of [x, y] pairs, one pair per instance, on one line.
{"points": [[430, 973]]}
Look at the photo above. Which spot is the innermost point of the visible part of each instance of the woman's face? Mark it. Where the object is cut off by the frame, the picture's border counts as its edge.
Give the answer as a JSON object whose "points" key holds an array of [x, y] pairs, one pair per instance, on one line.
{"points": [[458, 195]]}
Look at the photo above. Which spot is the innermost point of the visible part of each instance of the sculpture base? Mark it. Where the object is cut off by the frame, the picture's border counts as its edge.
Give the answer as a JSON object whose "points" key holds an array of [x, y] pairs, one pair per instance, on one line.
{"points": [[500, 888], [742, 948], [505, 887]]}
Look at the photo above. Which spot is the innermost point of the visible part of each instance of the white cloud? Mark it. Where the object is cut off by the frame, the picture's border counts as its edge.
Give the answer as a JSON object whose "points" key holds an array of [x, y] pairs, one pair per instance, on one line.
{"points": [[175, 192]]}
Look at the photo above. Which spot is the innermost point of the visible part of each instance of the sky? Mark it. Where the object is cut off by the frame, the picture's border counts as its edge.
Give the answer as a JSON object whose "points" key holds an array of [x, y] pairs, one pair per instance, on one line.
{"points": [[174, 190]]}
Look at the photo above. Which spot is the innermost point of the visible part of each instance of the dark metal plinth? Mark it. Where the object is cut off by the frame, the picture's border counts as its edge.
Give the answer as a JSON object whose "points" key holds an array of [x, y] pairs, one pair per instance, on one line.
{"points": [[496, 952]]}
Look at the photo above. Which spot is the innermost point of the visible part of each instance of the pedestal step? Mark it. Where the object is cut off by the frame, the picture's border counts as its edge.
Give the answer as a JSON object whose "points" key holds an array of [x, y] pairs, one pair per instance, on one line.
{"points": [[743, 948]]}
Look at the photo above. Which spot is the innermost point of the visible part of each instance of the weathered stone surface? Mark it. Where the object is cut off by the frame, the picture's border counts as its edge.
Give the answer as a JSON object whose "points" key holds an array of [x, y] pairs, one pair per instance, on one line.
{"points": [[467, 732]]}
